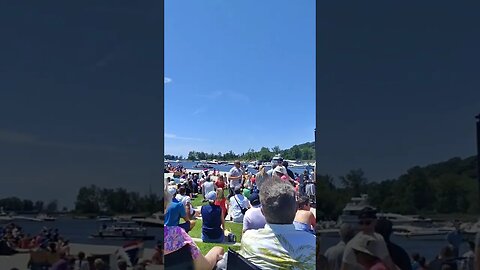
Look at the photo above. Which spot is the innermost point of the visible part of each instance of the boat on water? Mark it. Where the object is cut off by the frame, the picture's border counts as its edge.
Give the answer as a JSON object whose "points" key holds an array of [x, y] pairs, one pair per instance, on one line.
{"points": [[123, 231], [276, 159], [156, 220], [419, 233], [4, 217], [203, 165], [105, 218], [352, 210], [25, 218], [45, 217], [213, 162], [398, 219]]}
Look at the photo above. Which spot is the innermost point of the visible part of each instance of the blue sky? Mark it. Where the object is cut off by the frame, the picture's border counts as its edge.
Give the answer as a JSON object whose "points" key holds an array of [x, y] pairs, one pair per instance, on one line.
{"points": [[238, 75]]}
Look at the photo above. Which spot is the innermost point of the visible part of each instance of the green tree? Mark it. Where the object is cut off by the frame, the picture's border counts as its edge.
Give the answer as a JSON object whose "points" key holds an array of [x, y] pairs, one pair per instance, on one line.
{"points": [[355, 181], [88, 200], [52, 206]]}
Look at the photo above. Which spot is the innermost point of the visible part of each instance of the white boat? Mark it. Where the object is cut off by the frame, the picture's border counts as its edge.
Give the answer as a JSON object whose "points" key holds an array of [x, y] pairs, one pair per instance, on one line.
{"points": [[213, 162], [4, 217], [156, 220], [419, 233], [276, 159], [398, 219], [25, 218], [45, 217], [123, 230], [352, 210], [104, 218], [203, 166]]}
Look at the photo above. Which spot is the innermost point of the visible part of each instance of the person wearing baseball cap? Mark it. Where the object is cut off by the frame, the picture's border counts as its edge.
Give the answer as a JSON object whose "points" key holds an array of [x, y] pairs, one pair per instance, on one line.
{"points": [[364, 249], [367, 219], [213, 225]]}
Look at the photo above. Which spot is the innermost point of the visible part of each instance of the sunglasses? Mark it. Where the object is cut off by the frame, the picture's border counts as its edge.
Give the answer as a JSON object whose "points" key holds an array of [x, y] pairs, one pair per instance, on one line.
{"points": [[365, 222]]}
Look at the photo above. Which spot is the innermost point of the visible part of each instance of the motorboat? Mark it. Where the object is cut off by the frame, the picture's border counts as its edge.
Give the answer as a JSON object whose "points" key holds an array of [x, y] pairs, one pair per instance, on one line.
{"points": [[213, 162], [156, 220], [25, 218], [398, 219], [276, 159], [4, 217], [203, 165], [45, 217], [419, 233], [352, 210], [105, 218], [123, 230]]}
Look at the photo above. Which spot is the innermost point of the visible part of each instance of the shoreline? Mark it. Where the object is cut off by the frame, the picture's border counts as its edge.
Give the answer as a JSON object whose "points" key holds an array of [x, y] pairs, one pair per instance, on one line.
{"points": [[20, 260]]}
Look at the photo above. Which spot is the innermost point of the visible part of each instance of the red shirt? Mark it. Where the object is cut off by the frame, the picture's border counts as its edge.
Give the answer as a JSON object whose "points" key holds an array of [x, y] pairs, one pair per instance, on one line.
{"points": [[221, 203], [220, 184]]}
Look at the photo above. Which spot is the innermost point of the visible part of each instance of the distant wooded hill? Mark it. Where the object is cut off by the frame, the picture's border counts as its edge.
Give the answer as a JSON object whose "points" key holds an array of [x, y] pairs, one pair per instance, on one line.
{"points": [[305, 151], [445, 187]]}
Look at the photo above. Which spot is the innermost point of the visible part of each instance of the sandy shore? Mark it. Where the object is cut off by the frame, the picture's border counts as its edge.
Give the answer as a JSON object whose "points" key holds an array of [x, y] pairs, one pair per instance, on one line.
{"points": [[20, 260]]}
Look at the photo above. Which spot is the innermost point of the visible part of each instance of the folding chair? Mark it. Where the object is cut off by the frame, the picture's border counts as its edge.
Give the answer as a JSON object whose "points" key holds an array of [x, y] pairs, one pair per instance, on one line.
{"points": [[238, 262]]}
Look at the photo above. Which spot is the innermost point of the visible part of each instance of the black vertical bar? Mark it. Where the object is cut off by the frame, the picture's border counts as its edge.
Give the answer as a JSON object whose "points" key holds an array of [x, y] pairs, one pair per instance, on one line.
{"points": [[478, 155]]}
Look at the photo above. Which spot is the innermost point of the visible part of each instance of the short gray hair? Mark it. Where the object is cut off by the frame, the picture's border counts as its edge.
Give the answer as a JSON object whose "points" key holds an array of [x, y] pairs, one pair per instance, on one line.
{"points": [[278, 201], [347, 232]]}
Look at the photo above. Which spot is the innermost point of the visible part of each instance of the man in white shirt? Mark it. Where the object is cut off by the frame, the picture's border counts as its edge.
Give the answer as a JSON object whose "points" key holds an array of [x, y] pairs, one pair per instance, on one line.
{"points": [[235, 176], [186, 201], [279, 245]]}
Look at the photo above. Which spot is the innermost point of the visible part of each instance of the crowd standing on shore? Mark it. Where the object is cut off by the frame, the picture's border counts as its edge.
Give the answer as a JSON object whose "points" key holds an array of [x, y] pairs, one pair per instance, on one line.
{"points": [[49, 250], [278, 226], [369, 246]]}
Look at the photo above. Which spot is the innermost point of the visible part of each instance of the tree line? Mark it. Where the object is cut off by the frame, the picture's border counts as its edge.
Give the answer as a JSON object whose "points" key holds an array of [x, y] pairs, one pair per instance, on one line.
{"points": [[445, 187], [93, 199], [304, 151], [14, 204]]}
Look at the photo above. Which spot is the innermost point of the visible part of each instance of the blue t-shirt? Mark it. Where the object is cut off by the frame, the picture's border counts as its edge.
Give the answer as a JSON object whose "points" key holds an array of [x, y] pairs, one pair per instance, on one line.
{"points": [[212, 220], [173, 213]]}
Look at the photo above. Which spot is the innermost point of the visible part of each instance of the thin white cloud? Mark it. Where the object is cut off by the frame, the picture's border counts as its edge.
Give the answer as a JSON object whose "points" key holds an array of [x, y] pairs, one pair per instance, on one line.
{"points": [[167, 80], [199, 110], [175, 137]]}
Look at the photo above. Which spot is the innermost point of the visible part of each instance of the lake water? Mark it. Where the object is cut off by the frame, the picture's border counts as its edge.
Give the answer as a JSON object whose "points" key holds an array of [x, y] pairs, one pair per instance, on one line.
{"points": [[226, 167], [79, 230]]}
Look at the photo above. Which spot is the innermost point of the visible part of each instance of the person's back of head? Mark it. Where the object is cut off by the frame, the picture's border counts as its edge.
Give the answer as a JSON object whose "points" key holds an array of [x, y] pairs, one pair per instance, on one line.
{"points": [[122, 265], [285, 164], [182, 190], [99, 264], [303, 202], [385, 228], [278, 202], [347, 232], [81, 255], [446, 252]]}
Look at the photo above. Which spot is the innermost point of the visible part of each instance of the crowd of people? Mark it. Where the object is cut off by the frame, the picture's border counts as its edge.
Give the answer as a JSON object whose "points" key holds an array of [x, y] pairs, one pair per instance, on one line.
{"points": [[49, 250], [273, 207], [369, 246]]}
